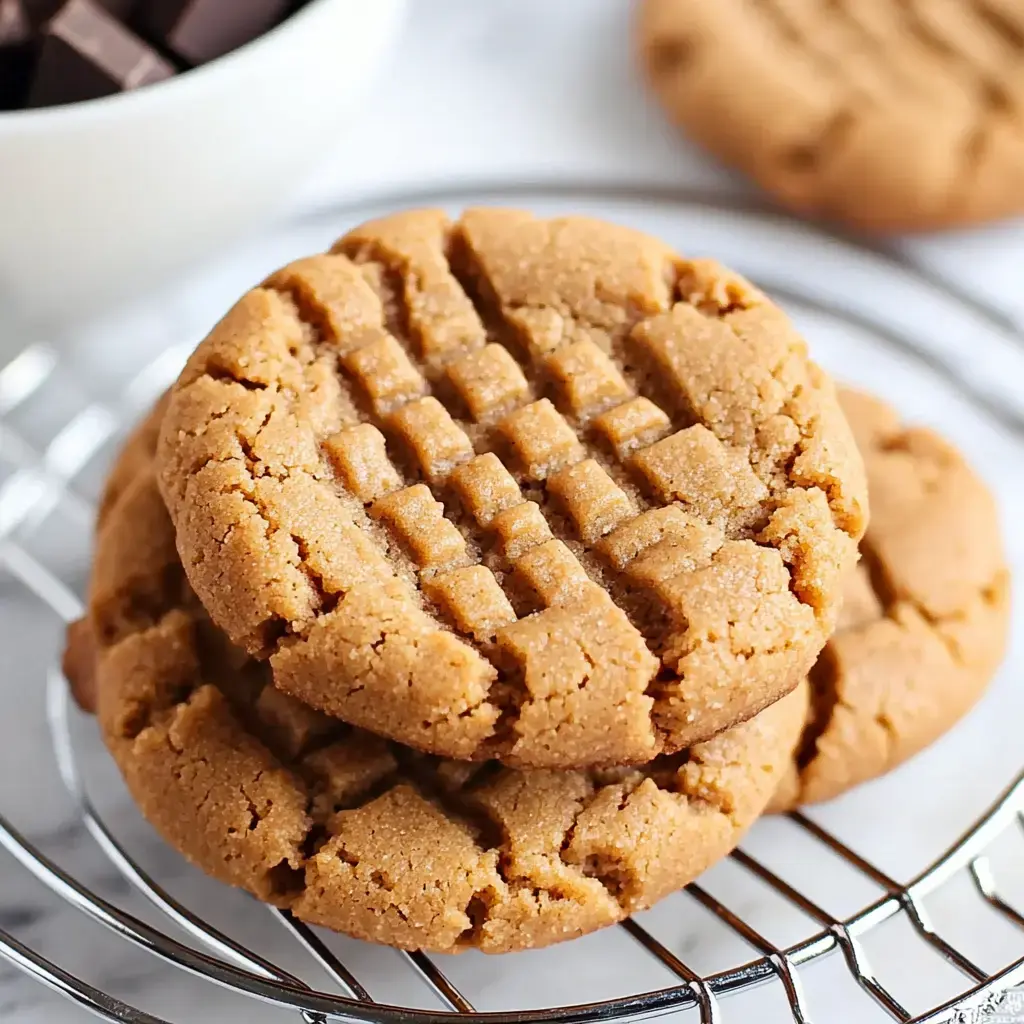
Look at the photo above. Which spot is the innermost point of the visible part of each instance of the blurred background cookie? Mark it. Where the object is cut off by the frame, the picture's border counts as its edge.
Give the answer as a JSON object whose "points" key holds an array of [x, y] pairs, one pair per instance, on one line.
{"points": [[884, 115]]}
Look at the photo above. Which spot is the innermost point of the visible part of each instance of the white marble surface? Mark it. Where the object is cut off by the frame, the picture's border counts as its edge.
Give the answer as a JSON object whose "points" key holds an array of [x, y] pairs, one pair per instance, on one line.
{"points": [[539, 91]]}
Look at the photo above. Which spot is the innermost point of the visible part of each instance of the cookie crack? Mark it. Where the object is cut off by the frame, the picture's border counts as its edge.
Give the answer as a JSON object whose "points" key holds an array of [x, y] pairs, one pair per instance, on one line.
{"points": [[604, 870], [721, 303], [420, 772], [126, 613], [892, 600], [712, 638], [254, 814], [825, 697], [823, 680], [218, 371], [829, 488], [142, 713], [270, 875], [826, 702], [323, 804], [324, 599], [667, 772]]}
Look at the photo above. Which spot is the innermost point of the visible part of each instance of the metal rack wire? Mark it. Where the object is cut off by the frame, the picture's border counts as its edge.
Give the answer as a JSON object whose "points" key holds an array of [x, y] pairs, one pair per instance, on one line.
{"points": [[39, 478]]}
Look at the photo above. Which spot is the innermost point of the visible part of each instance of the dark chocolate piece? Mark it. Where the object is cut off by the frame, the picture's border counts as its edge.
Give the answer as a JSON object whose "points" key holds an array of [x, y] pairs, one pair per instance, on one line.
{"points": [[201, 30], [16, 54], [41, 11], [15, 27], [16, 65], [86, 53]]}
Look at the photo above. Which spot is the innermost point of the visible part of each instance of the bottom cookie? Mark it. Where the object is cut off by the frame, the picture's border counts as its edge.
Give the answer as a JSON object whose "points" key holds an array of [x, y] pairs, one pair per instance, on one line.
{"points": [[925, 616], [362, 835]]}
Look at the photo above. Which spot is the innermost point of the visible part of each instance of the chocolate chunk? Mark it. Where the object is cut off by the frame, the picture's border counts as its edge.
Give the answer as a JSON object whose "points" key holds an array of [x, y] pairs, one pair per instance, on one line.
{"points": [[15, 75], [201, 30], [86, 53], [15, 28], [16, 54], [41, 11]]}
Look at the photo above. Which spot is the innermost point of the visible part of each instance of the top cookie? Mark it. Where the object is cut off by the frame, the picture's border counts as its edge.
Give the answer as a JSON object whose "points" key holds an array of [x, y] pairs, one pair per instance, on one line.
{"points": [[534, 490], [885, 115]]}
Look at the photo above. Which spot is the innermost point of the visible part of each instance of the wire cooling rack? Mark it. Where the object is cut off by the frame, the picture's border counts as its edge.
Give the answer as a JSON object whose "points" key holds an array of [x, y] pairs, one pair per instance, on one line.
{"points": [[809, 920]]}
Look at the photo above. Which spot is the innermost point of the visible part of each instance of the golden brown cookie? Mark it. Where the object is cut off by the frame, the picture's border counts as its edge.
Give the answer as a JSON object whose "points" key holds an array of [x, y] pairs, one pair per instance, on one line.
{"points": [[542, 491], [136, 456], [885, 115], [367, 837], [925, 619]]}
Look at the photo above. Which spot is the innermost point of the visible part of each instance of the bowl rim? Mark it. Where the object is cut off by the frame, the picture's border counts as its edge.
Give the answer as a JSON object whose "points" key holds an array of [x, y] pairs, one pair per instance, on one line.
{"points": [[181, 85]]}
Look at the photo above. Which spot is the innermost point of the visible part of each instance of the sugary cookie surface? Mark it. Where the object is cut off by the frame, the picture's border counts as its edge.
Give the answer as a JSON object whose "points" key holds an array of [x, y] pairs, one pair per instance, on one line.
{"points": [[925, 616], [363, 835], [506, 487]]}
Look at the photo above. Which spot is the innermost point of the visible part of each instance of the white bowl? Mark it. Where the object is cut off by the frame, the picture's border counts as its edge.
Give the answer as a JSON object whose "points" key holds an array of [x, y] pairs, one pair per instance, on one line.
{"points": [[101, 199]]}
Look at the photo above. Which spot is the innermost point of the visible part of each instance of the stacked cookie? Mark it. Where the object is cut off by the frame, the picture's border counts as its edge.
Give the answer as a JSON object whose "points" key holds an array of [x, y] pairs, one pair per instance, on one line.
{"points": [[925, 614], [462, 591]]}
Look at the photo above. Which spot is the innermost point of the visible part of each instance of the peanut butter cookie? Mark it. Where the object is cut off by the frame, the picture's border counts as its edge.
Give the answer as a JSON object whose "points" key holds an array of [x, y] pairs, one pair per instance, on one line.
{"points": [[135, 457], [359, 834], [887, 116], [925, 619], [540, 491]]}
